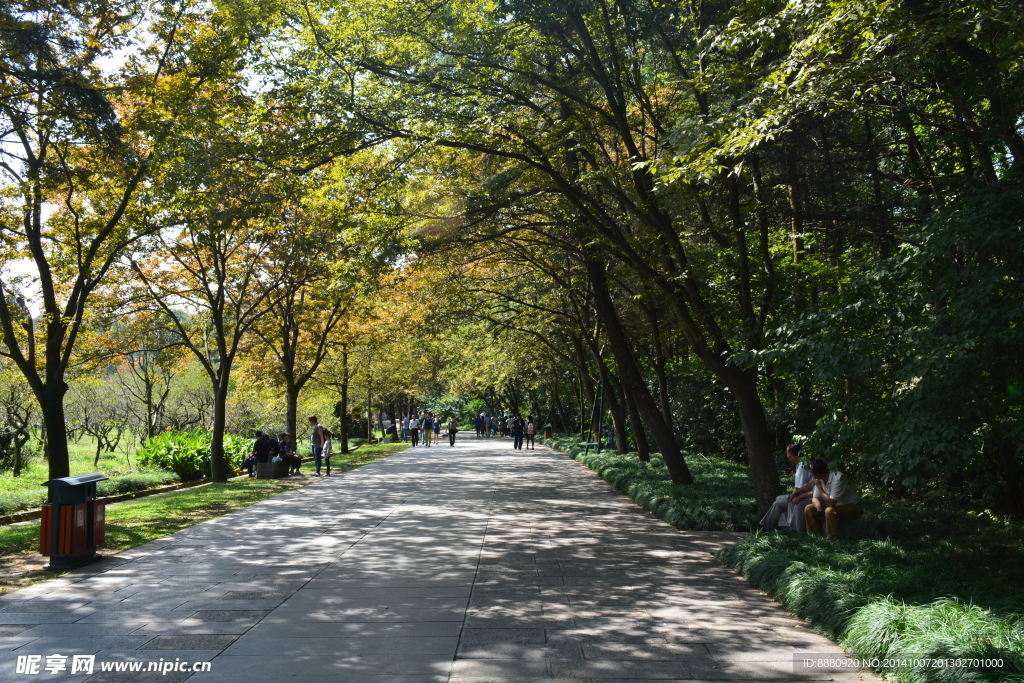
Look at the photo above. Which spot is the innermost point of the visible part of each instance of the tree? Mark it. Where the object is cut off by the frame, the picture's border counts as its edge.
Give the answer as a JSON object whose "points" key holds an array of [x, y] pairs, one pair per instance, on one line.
{"points": [[18, 407], [342, 242], [97, 409], [549, 94], [79, 142], [221, 283]]}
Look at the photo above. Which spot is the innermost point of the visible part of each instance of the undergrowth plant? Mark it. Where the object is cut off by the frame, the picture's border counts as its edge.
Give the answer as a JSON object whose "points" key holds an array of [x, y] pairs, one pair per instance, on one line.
{"points": [[929, 585], [924, 585], [187, 454]]}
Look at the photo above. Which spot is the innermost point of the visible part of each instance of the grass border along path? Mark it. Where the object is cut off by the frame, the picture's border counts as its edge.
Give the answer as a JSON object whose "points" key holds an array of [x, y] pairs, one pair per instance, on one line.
{"points": [[139, 521], [721, 498], [930, 587]]}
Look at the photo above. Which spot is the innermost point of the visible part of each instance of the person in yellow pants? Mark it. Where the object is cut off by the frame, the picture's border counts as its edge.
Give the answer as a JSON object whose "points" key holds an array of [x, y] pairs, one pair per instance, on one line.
{"points": [[833, 499]]}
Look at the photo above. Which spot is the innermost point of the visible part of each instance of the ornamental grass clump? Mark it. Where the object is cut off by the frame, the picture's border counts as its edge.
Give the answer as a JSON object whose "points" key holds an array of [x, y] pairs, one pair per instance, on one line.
{"points": [[942, 585], [947, 641]]}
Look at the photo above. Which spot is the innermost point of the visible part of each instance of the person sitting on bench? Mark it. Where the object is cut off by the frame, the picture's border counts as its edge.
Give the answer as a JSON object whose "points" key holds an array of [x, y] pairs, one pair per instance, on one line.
{"points": [[260, 453], [834, 501], [288, 453], [788, 509]]}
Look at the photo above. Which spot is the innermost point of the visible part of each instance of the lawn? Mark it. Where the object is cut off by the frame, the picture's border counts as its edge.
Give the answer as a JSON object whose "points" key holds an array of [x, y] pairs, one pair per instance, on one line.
{"points": [[27, 491], [138, 521], [363, 455]]}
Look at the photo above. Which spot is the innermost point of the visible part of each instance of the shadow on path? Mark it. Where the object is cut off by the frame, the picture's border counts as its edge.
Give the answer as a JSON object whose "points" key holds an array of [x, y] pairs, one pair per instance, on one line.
{"points": [[474, 563]]}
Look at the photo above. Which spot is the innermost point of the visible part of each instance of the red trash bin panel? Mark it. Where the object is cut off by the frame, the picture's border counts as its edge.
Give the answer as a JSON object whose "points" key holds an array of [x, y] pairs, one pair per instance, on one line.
{"points": [[99, 521]]}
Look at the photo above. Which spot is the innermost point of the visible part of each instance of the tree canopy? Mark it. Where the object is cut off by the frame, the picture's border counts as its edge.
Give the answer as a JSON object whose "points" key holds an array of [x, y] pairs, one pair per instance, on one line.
{"points": [[711, 227]]}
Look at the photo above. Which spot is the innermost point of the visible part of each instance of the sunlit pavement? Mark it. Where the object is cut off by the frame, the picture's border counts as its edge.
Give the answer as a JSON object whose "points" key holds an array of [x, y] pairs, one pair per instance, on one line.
{"points": [[474, 563]]}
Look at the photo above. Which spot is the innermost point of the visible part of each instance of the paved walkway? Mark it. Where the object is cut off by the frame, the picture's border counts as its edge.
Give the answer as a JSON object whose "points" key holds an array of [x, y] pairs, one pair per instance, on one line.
{"points": [[473, 563]]}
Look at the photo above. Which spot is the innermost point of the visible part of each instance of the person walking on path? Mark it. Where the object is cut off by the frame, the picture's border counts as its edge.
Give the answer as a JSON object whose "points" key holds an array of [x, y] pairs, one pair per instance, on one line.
{"points": [[317, 437], [515, 427], [437, 429], [453, 429], [405, 428], [531, 430], [426, 429], [414, 431]]}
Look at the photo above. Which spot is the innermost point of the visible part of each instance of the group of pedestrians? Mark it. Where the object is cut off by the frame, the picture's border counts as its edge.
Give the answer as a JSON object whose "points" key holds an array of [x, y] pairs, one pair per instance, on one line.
{"points": [[488, 426], [266, 449], [427, 426]]}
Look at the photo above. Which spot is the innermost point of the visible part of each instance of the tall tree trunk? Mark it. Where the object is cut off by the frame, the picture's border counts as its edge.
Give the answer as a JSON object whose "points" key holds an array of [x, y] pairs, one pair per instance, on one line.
{"points": [[218, 465], [589, 391], [344, 402], [763, 470], [617, 407], [632, 379], [663, 400], [534, 403], [147, 382], [643, 448], [292, 409], [19, 446], [56, 434], [561, 410]]}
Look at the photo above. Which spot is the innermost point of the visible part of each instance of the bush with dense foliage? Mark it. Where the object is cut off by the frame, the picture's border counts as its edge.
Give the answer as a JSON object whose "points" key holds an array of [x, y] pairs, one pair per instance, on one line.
{"points": [[187, 454]]}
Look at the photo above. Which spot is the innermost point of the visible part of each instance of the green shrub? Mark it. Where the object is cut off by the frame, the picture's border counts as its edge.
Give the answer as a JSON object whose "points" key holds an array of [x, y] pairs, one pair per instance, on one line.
{"points": [[235, 449], [721, 497], [187, 454]]}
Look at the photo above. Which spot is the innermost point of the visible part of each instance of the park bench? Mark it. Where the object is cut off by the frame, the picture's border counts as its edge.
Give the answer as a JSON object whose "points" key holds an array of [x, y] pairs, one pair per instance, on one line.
{"points": [[271, 470]]}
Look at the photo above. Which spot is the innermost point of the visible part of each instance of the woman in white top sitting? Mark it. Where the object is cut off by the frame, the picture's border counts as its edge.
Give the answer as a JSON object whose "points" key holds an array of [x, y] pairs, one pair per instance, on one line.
{"points": [[833, 500], [788, 509]]}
